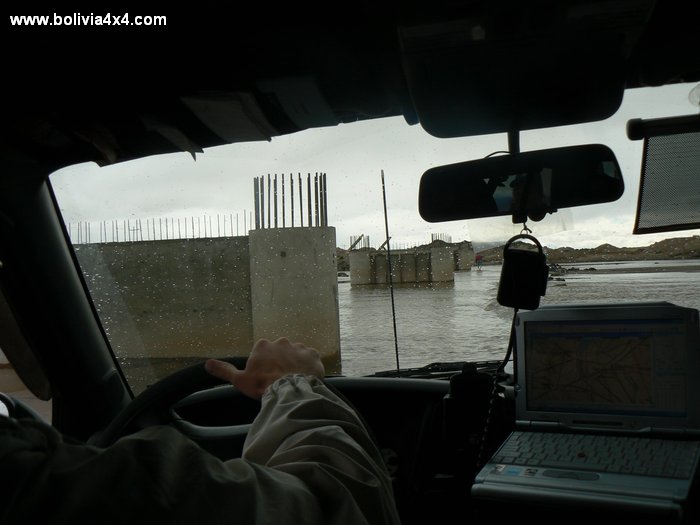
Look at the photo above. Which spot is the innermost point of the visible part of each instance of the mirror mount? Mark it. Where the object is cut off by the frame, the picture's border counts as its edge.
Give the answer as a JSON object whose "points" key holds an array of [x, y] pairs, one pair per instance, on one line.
{"points": [[514, 141]]}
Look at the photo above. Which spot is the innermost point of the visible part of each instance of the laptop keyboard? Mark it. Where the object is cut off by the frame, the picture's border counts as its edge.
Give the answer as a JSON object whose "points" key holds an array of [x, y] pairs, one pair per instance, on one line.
{"points": [[612, 454]]}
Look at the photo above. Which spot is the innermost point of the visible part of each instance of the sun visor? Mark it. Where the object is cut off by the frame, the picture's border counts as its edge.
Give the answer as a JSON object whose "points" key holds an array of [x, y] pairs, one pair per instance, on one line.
{"points": [[301, 99], [234, 117], [669, 189], [502, 67]]}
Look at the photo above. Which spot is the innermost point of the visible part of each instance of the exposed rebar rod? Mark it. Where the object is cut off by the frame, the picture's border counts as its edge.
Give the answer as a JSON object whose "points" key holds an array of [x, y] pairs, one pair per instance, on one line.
{"points": [[291, 192], [308, 198], [256, 198], [269, 202], [301, 203], [325, 200], [262, 203], [316, 215], [275, 186]]}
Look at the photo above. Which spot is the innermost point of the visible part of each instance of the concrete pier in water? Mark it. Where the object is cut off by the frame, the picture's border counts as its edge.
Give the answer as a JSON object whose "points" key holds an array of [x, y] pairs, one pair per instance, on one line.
{"points": [[430, 264]]}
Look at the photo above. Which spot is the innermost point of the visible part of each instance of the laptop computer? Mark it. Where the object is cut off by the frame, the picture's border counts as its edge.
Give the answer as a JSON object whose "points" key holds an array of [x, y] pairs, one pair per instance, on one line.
{"points": [[621, 384]]}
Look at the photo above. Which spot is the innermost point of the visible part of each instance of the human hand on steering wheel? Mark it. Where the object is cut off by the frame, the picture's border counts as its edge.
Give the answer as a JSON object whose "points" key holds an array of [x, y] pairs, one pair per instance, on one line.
{"points": [[268, 361]]}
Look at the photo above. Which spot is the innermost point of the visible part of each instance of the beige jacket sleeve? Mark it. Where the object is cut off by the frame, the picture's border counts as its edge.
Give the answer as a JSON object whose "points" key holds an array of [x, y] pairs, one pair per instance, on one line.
{"points": [[307, 459]]}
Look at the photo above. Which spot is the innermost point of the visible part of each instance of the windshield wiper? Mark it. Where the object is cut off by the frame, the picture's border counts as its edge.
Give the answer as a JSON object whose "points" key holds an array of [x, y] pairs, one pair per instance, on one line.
{"points": [[438, 370]]}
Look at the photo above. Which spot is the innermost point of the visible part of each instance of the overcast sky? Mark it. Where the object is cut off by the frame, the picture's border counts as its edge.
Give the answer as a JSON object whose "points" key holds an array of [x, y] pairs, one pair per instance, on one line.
{"points": [[220, 181]]}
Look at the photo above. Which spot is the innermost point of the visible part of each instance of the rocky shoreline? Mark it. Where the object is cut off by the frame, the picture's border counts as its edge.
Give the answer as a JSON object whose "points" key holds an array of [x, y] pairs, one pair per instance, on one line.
{"points": [[657, 267]]}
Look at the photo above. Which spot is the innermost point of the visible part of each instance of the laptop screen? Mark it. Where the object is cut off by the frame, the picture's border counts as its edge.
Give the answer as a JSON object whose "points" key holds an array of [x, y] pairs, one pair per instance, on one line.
{"points": [[616, 366]]}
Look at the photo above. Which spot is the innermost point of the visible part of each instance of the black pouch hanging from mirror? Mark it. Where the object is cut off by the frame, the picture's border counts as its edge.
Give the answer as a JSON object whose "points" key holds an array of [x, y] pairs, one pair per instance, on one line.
{"points": [[524, 275]]}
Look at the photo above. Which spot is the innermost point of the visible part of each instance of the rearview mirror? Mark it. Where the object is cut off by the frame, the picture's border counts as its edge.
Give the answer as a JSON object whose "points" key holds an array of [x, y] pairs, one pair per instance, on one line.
{"points": [[525, 185]]}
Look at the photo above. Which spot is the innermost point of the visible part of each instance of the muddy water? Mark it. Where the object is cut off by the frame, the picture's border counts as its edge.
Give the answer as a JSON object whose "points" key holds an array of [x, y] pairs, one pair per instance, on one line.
{"points": [[463, 321]]}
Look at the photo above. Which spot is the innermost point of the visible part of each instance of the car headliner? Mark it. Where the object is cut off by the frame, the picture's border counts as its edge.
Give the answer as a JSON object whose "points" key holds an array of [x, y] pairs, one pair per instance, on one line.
{"points": [[463, 69]]}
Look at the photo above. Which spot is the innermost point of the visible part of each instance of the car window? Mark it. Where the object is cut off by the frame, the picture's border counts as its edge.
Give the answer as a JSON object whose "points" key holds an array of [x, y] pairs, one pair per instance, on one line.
{"points": [[188, 256]]}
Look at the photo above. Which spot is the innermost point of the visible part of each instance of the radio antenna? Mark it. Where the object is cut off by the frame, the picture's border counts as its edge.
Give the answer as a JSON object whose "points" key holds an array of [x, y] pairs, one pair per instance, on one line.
{"points": [[391, 278]]}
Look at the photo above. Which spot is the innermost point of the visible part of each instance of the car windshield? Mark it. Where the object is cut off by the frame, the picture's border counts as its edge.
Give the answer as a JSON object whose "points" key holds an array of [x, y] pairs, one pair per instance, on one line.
{"points": [[188, 256]]}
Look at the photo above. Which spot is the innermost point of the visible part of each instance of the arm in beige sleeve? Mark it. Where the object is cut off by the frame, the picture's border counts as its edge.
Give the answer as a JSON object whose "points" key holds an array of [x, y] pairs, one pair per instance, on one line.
{"points": [[308, 459], [322, 442]]}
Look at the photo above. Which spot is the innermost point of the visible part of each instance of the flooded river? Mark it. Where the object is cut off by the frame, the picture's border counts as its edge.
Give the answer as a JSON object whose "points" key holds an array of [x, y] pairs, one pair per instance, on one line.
{"points": [[463, 321]]}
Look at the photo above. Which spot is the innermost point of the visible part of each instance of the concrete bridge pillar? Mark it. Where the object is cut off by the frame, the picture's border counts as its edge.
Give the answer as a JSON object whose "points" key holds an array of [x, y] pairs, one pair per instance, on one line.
{"points": [[423, 267], [441, 264], [381, 269], [408, 267], [360, 267], [465, 257], [294, 288], [396, 268]]}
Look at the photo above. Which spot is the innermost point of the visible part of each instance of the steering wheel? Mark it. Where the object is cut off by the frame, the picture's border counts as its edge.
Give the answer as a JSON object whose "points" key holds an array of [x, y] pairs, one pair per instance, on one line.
{"points": [[155, 406], [17, 408]]}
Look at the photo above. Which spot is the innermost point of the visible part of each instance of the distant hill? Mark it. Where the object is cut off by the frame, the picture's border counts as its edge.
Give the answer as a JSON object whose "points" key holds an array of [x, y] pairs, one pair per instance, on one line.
{"points": [[677, 248]]}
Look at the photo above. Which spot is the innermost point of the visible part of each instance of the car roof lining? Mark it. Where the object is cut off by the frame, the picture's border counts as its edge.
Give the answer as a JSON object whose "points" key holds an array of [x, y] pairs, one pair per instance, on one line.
{"points": [[280, 79]]}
